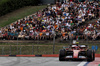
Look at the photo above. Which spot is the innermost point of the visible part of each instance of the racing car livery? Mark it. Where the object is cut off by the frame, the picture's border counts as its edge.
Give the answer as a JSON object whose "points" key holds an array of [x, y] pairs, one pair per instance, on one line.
{"points": [[77, 52]]}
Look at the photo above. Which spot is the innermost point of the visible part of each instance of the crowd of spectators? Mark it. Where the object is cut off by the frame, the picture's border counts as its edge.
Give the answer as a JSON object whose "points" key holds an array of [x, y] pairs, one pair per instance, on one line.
{"points": [[89, 31], [62, 20]]}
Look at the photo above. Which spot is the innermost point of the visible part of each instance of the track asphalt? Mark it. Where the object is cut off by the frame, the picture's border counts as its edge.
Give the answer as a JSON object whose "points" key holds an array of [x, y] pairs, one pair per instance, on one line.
{"points": [[42, 61]]}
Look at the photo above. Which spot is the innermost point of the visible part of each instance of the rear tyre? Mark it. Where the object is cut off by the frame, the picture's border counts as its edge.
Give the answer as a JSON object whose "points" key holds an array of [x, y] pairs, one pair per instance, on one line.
{"points": [[62, 55], [93, 55], [90, 55]]}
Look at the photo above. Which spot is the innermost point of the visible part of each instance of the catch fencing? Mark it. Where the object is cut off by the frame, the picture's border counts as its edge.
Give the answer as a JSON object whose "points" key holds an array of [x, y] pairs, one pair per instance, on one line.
{"points": [[40, 47]]}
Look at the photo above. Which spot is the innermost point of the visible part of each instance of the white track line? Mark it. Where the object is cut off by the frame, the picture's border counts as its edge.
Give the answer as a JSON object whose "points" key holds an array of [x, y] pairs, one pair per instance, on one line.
{"points": [[82, 63]]}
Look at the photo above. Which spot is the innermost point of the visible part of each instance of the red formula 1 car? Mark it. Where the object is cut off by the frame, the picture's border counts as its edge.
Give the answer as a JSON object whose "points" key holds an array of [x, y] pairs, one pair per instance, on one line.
{"points": [[77, 52]]}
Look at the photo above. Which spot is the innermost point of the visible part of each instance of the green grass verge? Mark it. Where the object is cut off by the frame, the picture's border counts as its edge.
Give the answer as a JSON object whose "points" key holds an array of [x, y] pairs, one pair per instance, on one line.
{"points": [[18, 14], [30, 48]]}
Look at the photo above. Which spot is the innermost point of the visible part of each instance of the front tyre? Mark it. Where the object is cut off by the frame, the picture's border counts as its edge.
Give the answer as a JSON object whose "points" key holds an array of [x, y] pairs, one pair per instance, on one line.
{"points": [[90, 55], [62, 54]]}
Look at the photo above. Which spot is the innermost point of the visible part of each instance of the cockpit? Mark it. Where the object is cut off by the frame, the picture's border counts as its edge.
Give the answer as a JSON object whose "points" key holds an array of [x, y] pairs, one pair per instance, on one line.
{"points": [[75, 47]]}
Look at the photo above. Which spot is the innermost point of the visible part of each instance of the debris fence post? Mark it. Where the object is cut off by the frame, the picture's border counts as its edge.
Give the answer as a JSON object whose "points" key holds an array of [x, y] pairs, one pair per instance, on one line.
{"points": [[32, 49], [2, 50], [20, 50], [17, 45], [53, 41], [10, 50]]}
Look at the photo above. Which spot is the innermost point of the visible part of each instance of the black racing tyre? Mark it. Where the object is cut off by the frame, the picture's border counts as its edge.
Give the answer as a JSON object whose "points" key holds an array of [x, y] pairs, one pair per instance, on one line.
{"points": [[93, 55], [89, 55], [62, 54]]}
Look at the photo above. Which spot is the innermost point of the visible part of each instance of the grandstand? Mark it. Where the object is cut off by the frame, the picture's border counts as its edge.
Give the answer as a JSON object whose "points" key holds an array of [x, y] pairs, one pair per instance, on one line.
{"points": [[66, 19]]}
